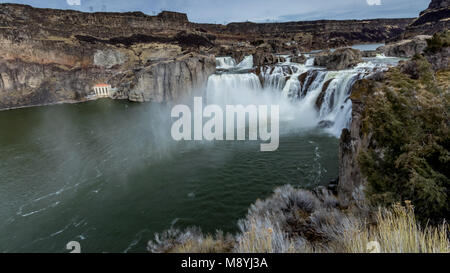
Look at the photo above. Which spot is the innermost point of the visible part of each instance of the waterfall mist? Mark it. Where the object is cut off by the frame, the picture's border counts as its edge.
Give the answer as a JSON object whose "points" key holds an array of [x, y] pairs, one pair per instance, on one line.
{"points": [[308, 96]]}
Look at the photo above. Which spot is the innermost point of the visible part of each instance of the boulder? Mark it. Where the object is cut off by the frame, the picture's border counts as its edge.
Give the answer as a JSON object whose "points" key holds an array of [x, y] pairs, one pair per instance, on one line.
{"points": [[339, 59], [325, 124], [369, 53], [440, 60], [438, 51], [299, 59], [321, 97], [406, 48], [261, 58]]}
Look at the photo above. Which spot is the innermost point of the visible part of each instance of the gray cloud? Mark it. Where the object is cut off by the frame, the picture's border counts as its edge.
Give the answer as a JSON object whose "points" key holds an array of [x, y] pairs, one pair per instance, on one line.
{"points": [[221, 11]]}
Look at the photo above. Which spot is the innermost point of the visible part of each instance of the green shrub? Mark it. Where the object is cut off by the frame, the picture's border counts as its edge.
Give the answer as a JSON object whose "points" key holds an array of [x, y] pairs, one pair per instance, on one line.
{"points": [[438, 41], [409, 158]]}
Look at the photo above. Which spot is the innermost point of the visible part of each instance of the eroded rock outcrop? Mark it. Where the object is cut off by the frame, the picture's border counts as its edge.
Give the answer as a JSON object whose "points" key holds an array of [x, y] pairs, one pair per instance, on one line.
{"points": [[406, 48], [301, 59], [435, 18], [353, 141], [168, 81], [339, 59], [45, 59], [321, 96]]}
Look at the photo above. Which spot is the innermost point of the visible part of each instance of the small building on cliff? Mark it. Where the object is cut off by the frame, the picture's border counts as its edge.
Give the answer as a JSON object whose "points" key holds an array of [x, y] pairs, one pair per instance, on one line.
{"points": [[102, 90]]}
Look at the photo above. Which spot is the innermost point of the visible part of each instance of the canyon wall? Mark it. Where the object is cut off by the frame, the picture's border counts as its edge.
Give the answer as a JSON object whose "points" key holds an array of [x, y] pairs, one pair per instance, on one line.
{"points": [[50, 56], [353, 141], [264, 39], [434, 19], [314, 34]]}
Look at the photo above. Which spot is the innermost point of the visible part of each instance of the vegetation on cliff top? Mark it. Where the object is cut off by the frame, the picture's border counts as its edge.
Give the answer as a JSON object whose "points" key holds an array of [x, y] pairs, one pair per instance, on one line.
{"points": [[437, 42], [407, 116]]}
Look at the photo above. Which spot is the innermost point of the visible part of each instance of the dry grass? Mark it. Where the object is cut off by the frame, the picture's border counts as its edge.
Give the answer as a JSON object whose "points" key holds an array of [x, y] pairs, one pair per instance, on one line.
{"points": [[264, 239], [397, 231], [293, 221], [191, 240], [209, 244]]}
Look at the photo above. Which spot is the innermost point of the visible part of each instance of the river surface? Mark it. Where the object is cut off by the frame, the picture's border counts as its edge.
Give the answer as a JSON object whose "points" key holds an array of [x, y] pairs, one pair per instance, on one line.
{"points": [[108, 175]]}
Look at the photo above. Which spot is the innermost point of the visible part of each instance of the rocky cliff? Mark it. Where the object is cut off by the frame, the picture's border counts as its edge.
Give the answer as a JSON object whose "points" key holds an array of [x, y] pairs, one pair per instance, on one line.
{"points": [[406, 48], [434, 19], [400, 118], [353, 141], [306, 35], [50, 56]]}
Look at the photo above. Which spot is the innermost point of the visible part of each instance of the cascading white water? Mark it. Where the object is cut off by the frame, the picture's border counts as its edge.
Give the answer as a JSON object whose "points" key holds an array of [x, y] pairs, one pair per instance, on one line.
{"points": [[274, 77], [228, 63], [335, 101], [310, 95], [309, 60], [247, 63], [225, 62], [293, 85], [231, 88]]}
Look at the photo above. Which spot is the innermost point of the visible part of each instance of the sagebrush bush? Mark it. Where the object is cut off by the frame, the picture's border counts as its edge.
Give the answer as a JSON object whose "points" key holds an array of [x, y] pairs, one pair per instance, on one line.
{"points": [[191, 240], [299, 221]]}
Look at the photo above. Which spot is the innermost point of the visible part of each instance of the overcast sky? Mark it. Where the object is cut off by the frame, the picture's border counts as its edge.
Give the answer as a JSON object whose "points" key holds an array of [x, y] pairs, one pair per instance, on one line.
{"points": [[225, 11]]}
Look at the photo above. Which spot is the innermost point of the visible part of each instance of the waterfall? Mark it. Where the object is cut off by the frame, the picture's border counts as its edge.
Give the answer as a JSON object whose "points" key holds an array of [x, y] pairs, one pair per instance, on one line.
{"points": [[247, 63], [225, 62], [312, 96], [310, 61], [231, 88], [228, 63]]}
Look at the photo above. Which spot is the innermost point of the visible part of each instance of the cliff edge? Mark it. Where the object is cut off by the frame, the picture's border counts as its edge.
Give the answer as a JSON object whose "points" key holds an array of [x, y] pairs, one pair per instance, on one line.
{"points": [[50, 56]]}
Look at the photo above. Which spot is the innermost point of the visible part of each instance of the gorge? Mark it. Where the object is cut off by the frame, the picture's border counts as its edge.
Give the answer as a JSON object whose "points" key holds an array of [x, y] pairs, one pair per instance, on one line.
{"points": [[52, 56], [77, 165]]}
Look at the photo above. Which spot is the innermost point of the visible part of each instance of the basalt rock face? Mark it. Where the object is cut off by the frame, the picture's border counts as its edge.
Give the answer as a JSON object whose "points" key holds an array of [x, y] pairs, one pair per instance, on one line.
{"points": [[321, 34], [167, 81], [360, 136], [301, 59], [440, 60], [434, 19], [353, 141], [339, 59], [50, 56]]}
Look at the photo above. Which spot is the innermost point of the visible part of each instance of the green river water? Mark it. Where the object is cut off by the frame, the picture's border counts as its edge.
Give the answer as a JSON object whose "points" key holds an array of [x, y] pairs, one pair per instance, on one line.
{"points": [[108, 174]]}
